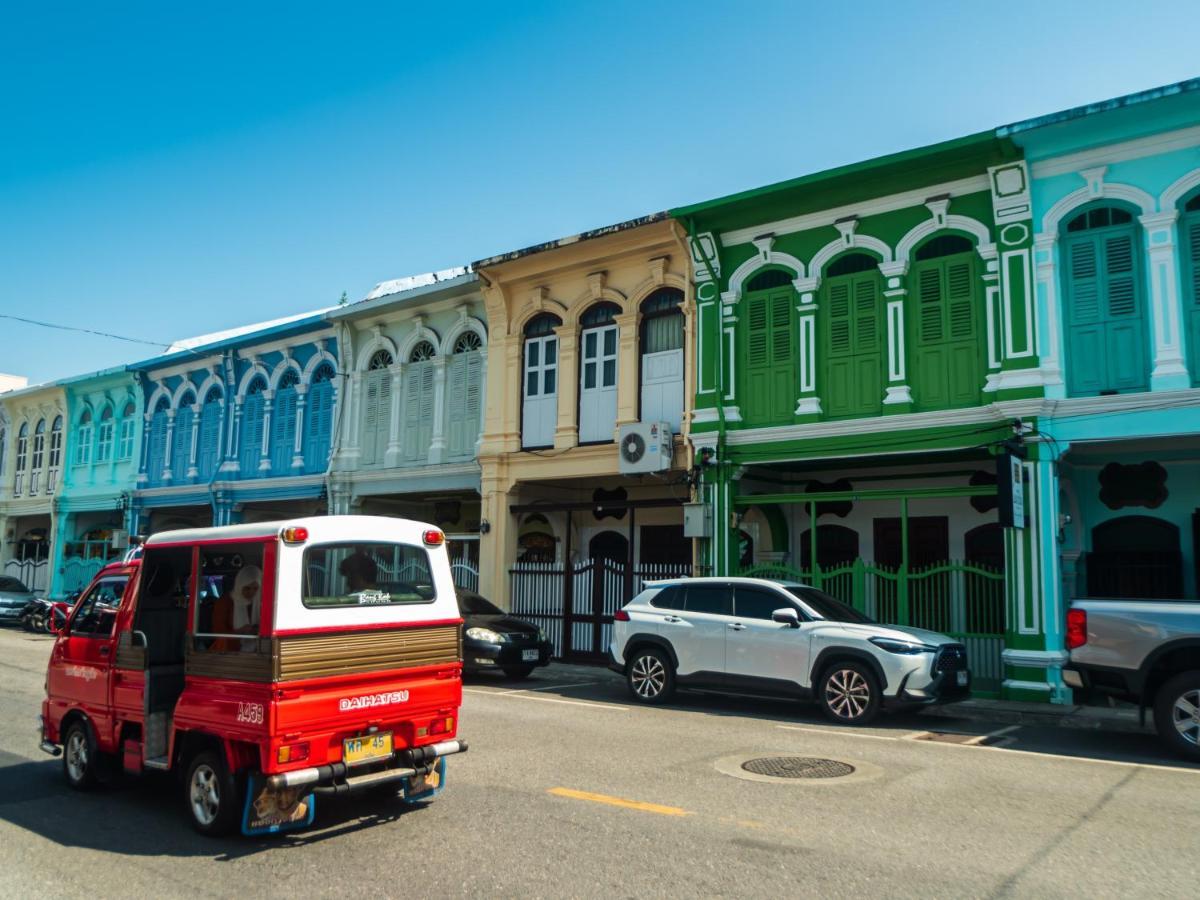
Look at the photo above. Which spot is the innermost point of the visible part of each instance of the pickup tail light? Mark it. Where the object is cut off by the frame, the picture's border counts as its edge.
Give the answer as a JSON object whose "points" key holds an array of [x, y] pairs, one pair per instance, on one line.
{"points": [[292, 752], [1076, 628], [620, 616]]}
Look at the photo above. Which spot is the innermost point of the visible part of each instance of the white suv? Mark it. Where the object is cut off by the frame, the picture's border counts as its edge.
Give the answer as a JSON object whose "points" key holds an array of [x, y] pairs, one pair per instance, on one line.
{"points": [[751, 635]]}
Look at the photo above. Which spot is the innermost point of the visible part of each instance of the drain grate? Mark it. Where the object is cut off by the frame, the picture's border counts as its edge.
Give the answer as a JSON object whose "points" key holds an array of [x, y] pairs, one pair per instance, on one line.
{"points": [[797, 767]]}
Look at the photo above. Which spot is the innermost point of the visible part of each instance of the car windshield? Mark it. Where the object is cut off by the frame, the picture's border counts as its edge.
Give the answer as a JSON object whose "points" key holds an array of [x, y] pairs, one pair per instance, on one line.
{"points": [[827, 607], [473, 604], [11, 585]]}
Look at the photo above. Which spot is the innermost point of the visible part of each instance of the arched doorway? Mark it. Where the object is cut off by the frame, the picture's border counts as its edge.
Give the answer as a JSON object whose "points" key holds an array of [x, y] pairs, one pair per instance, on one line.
{"points": [[1137, 557], [837, 546]]}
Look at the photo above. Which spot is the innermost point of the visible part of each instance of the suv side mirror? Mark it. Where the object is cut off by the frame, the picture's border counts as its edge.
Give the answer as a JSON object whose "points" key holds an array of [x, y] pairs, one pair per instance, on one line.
{"points": [[786, 616]]}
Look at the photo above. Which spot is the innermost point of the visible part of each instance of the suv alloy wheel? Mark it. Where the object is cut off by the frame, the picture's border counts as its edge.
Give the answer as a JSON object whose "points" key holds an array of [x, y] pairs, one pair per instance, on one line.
{"points": [[849, 693], [650, 676]]}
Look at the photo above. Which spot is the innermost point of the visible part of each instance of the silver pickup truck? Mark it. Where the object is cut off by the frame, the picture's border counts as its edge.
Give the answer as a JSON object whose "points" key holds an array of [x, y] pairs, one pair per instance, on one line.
{"points": [[1143, 651]]}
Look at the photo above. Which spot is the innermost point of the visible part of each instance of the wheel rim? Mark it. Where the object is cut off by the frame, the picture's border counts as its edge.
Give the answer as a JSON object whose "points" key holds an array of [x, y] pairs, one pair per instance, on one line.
{"points": [[847, 694], [77, 755], [1186, 716], [205, 794], [649, 676]]}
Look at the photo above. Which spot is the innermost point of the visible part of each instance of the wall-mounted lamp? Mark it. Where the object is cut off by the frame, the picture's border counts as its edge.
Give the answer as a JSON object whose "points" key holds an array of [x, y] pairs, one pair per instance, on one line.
{"points": [[484, 526]]}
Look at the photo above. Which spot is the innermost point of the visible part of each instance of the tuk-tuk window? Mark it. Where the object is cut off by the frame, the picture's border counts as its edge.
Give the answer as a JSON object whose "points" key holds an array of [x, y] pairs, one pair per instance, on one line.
{"points": [[365, 573], [98, 610], [229, 597]]}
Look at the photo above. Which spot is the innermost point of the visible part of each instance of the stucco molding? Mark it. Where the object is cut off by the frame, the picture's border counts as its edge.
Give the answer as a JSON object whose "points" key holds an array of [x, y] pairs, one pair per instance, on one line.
{"points": [[556, 308], [256, 368], [762, 259], [321, 356], [589, 298], [160, 392], [1171, 198], [983, 238], [652, 284], [1098, 189], [378, 341], [212, 381], [419, 332], [185, 387], [464, 324], [281, 368], [846, 243]]}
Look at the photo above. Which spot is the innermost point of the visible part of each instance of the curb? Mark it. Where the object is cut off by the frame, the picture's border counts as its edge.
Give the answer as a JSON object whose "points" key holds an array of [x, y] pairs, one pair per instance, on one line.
{"points": [[1087, 718]]}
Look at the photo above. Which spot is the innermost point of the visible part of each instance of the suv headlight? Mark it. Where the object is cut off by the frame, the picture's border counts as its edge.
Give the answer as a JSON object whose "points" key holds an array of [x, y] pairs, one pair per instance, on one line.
{"points": [[897, 645], [487, 635]]}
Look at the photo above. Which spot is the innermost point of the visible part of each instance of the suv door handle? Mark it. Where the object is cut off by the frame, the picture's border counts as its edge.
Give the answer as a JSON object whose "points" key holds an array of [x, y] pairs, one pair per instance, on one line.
{"points": [[736, 626], [672, 619]]}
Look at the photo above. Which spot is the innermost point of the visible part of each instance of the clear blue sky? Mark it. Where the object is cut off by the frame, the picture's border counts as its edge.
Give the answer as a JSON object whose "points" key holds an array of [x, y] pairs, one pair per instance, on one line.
{"points": [[166, 172]]}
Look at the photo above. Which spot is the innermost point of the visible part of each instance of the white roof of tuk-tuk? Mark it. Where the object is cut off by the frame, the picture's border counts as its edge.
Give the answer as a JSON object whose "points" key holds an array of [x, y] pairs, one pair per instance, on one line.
{"points": [[321, 528]]}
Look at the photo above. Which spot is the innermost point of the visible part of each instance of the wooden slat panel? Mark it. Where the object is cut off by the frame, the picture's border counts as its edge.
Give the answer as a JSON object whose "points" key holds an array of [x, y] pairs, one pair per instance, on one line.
{"points": [[226, 664], [315, 656], [129, 656]]}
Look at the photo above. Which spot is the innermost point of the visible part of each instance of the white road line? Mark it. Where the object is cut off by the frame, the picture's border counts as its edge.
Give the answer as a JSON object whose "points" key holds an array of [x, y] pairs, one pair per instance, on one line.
{"points": [[555, 687], [858, 734], [516, 695], [992, 734]]}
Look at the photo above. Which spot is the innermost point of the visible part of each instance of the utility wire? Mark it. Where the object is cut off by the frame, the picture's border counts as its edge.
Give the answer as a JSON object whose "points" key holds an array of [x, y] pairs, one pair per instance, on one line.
{"points": [[116, 337]]}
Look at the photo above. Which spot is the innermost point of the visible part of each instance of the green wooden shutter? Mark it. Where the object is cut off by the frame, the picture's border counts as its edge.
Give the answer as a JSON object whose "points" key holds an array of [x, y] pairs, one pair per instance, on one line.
{"points": [[929, 293], [1126, 349], [948, 362], [412, 411], [769, 381], [1191, 235], [850, 360], [759, 326]]}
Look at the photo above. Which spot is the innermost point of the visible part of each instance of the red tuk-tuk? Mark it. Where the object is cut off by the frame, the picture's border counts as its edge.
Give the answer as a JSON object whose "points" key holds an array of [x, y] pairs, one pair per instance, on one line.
{"points": [[267, 664]]}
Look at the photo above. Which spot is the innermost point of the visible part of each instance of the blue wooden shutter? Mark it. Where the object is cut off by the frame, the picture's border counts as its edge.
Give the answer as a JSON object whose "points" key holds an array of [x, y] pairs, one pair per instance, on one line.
{"points": [[283, 431], [181, 444], [209, 441], [318, 424], [1126, 348], [250, 451], [157, 449]]}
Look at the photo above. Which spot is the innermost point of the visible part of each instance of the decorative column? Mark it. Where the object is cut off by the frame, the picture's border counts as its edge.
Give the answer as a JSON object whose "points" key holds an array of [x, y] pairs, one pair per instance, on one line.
{"points": [[167, 452], [437, 441], [1166, 315], [298, 440], [566, 432], [706, 265], [629, 376], [143, 476], [498, 543], [391, 456], [264, 451], [1014, 367], [194, 439], [808, 403], [897, 396]]}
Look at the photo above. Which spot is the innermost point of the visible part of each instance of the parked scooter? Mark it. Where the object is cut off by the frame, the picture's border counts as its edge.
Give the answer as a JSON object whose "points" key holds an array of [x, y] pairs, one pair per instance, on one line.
{"points": [[43, 616]]}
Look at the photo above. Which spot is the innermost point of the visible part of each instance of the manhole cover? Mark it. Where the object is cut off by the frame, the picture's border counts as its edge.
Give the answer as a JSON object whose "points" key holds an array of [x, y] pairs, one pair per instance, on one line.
{"points": [[797, 767]]}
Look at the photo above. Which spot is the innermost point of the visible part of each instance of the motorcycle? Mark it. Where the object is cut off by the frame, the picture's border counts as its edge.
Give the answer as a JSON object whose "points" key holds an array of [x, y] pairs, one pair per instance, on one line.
{"points": [[43, 616]]}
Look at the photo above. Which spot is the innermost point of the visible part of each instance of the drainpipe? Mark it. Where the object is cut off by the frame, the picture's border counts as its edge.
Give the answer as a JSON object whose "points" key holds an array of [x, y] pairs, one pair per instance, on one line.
{"points": [[720, 377]]}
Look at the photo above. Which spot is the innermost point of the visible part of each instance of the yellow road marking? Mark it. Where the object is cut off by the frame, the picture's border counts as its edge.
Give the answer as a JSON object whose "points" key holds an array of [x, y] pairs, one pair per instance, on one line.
{"points": [[618, 801]]}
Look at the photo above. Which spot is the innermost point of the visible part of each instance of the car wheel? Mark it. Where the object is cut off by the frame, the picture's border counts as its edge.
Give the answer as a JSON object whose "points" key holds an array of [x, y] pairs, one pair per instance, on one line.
{"points": [[81, 759], [1177, 714], [650, 677], [849, 693], [518, 672], [211, 794]]}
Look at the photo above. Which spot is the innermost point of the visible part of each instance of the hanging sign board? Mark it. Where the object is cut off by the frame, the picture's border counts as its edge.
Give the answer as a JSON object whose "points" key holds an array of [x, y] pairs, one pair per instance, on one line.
{"points": [[1010, 493]]}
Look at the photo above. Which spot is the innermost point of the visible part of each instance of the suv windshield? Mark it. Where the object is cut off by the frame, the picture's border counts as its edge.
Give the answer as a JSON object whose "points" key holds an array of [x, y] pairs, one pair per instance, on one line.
{"points": [[827, 607], [473, 604], [366, 573]]}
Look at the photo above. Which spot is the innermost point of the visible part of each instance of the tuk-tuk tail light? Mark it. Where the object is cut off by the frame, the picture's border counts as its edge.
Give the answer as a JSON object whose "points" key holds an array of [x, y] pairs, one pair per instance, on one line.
{"points": [[295, 535], [434, 537], [292, 752], [441, 725]]}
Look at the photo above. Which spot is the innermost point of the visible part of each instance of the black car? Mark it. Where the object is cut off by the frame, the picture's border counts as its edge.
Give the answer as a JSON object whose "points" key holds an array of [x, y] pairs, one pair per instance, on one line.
{"points": [[492, 639]]}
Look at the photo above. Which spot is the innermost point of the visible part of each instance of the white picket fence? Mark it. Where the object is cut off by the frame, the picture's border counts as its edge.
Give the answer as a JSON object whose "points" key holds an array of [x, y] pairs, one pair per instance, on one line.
{"points": [[33, 573], [598, 588]]}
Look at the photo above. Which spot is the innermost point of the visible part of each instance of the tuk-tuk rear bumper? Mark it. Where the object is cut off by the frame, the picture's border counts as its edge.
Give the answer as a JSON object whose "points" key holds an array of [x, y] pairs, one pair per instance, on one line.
{"points": [[339, 778]]}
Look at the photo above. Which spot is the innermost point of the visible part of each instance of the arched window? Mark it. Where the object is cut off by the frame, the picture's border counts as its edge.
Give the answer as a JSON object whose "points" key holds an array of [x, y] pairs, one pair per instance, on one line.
{"points": [[945, 318], [377, 407], [22, 458], [56, 446], [418, 402], [539, 409], [852, 331], [181, 438], [156, 448], [1189, 232], [128, 429], [464, 402], [208, 442], [250, 438], [318, 419], [3, 449], [1136, 557], [83, 437], [39, 456], [598, 373], [283, 423], [1106, 330], [104, 435], [662, 357], [769, 384]]}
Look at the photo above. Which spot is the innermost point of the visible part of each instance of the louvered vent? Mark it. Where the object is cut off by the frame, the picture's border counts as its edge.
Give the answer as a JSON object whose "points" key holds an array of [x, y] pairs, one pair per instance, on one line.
{"points": [[757, 350]]}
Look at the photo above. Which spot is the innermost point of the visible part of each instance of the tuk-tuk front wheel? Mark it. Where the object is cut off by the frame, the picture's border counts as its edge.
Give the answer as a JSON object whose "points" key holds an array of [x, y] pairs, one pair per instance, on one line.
{"points": [[81, 759], [211, 794]]}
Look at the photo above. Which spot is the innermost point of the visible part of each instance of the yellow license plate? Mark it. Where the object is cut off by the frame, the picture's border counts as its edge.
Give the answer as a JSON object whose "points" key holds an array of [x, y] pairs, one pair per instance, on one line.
{"points": [[367, 748]]}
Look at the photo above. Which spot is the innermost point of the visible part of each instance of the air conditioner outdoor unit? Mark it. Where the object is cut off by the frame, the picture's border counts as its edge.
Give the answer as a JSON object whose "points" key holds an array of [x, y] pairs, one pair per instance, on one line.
{"points": [[645, 447]]}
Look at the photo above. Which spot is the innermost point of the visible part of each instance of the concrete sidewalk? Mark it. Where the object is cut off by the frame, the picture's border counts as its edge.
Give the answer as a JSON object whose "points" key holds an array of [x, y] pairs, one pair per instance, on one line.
{"points": [[1099, 718]]}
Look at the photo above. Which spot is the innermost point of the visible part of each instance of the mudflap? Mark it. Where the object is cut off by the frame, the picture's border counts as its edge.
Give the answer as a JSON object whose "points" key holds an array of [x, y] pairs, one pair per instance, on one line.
{"points": [[270, 812], [426, 787]]}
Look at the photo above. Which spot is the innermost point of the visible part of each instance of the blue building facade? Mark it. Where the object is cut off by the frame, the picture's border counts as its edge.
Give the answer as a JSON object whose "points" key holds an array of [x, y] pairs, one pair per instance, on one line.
{"points": [[238, 428]]}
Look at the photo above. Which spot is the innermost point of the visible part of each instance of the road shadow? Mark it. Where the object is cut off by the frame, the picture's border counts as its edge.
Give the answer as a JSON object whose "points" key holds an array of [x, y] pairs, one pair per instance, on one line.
{"points": [[145, 817]]}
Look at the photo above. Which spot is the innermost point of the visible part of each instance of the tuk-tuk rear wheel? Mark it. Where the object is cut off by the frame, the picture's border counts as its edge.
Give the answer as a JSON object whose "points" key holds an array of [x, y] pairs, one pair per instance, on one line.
{"points": [[211, 794]]}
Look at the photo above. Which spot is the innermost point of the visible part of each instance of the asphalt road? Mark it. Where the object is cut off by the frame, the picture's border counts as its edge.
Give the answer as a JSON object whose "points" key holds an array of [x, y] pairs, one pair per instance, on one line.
{"points": [[572, 790]]}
